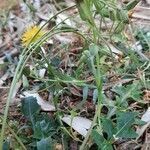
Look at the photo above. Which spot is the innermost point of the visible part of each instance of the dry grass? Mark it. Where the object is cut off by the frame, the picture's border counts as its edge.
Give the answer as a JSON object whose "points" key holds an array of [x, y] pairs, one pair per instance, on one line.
{"points": [[7, 4]]}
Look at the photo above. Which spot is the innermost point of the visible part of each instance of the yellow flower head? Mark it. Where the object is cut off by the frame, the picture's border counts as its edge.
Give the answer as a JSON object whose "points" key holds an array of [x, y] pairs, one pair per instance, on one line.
{"points": [[32, 33]]}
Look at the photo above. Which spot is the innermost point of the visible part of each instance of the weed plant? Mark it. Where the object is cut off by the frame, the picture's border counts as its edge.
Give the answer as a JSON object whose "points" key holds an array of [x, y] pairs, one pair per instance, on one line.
{"points": [[96, 59]]}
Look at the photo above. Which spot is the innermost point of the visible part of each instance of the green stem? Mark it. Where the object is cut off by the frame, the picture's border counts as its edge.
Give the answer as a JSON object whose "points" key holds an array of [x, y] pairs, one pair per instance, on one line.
{"points": [[17, 138], [39, 43], [99, 88], [82, 147], [8, 103], [98, 80], [45, 25], [15, 135], [16, 77]]}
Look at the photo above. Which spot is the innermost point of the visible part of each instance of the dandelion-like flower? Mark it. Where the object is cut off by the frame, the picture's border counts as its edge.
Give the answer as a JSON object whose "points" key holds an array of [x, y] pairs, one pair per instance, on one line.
{"points": [[31, 35]]}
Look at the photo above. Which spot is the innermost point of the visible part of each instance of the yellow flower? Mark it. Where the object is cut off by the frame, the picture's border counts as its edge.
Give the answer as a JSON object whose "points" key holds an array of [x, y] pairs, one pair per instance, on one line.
{"points": [[32, 33]]}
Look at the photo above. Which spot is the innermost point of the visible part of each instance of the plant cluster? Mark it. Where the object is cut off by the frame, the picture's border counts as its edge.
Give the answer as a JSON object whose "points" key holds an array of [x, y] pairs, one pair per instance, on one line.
{"points": [[114, 117]]}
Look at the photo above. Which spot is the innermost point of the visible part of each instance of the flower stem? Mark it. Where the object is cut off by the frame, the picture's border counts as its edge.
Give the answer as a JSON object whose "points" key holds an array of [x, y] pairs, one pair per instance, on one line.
{"points": [[98, 79], [17, 74]]}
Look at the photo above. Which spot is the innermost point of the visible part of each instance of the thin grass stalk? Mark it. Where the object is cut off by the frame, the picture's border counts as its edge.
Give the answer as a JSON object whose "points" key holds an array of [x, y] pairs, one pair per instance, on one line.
{"points": [[98, 79], [24, 50], [18, 73], [15, 78], [38, 45], [17, 138]]}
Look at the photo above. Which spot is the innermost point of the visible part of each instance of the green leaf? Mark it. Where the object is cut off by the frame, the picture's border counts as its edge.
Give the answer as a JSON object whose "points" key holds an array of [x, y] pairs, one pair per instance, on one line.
{"points": [[102, 9], [85, 93], [25, 82], [26, 71], [143, 35], [119, 27], [125, 122], [101, 142], [45, 144], [29, 106], [130, 91], [95, 96], [6, 145], [122, 15], [108, 127], [43, 129], [93, 48], [98, 139], [98, 5], [80, 6], [55, 61], [120, 102], [85, 12], [132, 4]]}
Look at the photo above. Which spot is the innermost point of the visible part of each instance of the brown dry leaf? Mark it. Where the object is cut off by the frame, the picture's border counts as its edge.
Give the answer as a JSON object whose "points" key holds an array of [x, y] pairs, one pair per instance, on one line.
{"points": [[58, 147], [129, 145], [4, 94], [146, 96], [117, 82], [146, 145], [7, 4], [75, 91], [3, 78]]}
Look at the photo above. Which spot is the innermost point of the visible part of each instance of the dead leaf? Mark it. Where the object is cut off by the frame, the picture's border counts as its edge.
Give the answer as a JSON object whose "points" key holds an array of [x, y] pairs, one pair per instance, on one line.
{"points": [[146, 96], [5, 5], [45, 105], [15, 90], [75, 91], [141, 13], [146, 145], [61, 17], [146, 118], [3, 78], [79, 124], [42, 73], [114, 49]]}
